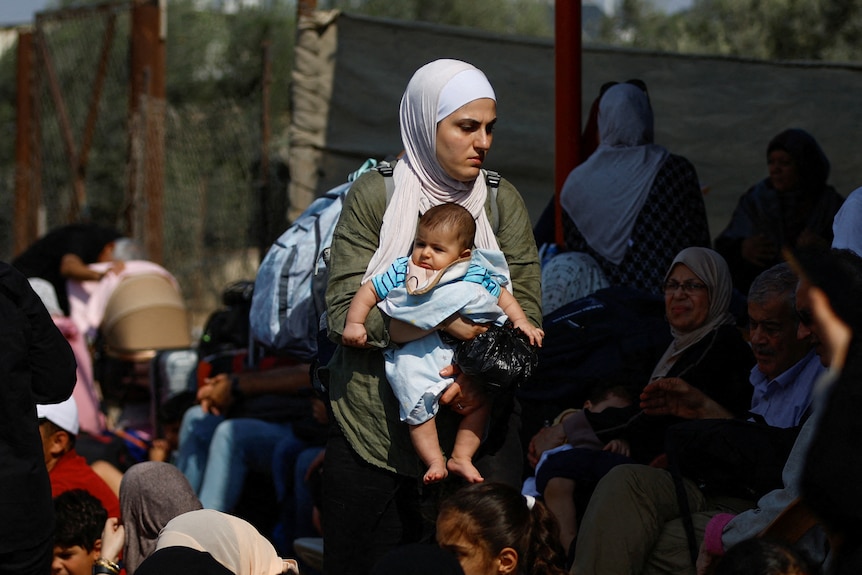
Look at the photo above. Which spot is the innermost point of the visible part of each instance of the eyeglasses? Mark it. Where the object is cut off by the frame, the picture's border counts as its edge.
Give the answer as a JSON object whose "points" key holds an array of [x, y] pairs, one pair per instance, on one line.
{"points": [[689, 286], [805, 317]]}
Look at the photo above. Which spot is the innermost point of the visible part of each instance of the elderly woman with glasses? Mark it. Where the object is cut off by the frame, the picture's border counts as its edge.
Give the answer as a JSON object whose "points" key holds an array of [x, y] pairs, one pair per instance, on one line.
{"points": [[702, 374]]}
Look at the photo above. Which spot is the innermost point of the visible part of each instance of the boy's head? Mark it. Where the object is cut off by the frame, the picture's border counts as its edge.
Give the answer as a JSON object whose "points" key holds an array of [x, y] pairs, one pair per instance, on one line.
{"points": [[445, 233], [609, 395], [58, 426], [78, 522]]}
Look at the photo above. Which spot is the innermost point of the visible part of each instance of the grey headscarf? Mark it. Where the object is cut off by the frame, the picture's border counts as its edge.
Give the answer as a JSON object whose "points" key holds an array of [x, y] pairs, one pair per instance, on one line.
{"points": [[712, 270], [151, 494], [605, 194]]}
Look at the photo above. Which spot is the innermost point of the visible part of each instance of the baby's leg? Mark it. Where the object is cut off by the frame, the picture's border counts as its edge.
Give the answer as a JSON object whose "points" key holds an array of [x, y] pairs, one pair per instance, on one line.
{"points": [[427, 445], [467, 441]]}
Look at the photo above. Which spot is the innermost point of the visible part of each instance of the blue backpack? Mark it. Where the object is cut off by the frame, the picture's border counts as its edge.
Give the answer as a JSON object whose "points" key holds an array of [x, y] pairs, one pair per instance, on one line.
{"points": [[289, 289], [284, 313]]}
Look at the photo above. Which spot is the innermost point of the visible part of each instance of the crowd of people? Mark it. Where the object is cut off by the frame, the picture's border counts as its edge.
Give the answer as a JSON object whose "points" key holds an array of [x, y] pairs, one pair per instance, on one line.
{"points": [[398, 461]]}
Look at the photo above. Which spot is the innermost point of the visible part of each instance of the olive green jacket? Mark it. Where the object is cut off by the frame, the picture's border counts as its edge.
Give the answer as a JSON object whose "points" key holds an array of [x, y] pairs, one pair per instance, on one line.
{"points": [[362, 400]]}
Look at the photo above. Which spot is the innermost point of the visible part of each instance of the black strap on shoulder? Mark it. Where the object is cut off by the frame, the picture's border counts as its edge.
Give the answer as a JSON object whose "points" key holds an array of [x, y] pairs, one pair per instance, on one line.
{"points": [[492, 180]]}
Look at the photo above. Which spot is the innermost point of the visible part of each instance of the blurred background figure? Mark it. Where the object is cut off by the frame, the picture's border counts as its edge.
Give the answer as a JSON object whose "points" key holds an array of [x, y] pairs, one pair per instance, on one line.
{"points": [[37, 366], [794, 206]]}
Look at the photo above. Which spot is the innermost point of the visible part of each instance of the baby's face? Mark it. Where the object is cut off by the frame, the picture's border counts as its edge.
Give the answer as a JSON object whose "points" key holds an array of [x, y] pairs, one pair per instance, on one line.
{"points": [[436, 249]]}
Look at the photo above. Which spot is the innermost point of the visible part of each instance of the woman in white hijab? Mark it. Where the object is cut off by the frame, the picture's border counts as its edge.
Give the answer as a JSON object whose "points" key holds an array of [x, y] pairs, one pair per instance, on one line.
{"points": [[629, 208], [447, 116], [229, 544]]}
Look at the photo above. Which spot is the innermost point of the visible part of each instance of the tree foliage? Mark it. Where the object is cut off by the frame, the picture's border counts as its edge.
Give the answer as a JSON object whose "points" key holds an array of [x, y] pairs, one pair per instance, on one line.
{"points": [[767, 29], [519, 17]]}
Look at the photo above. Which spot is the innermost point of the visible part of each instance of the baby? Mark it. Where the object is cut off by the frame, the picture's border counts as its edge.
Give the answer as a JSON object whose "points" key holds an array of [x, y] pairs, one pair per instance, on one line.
{"points": [[442, 251]]}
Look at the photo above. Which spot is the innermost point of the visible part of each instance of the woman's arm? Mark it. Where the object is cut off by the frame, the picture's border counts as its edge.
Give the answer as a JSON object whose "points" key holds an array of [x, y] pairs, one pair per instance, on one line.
{"points": [[516, 241], [361, 304]]}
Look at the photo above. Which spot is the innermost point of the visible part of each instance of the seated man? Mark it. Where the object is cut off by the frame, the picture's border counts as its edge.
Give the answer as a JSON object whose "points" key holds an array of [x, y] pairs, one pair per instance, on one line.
{"points": [[78, 522], [235, 429], [787, 366], [633, 521], [58, 426]]}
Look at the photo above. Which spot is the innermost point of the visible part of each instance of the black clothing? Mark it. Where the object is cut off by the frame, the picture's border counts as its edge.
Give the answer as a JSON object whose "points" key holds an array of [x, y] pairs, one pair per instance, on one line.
{"points": [[719, 365], [36, 366], [42, 259], [830, 481]]}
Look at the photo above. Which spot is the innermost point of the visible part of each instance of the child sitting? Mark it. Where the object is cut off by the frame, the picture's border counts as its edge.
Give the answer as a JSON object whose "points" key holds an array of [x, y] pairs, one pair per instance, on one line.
{"points": [[420, 286], [581, 446], [78, 522]]}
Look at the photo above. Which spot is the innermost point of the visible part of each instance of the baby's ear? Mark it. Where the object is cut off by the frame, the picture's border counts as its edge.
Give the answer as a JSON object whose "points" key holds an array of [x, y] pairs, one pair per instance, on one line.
{"points": [[466, 253]]}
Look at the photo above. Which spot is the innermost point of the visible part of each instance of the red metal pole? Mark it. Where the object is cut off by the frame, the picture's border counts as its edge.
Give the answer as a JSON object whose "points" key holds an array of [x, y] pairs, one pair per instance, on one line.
{"points": [[567, 93]]}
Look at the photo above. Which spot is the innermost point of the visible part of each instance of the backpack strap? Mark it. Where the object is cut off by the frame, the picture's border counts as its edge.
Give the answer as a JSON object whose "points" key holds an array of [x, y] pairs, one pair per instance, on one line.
{"points": [[492, 180], [386, 170]]}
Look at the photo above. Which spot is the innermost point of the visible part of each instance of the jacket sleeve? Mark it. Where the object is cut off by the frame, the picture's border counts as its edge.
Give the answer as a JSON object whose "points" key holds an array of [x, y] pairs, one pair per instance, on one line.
{"points": [[515, 236], [354, 242]]}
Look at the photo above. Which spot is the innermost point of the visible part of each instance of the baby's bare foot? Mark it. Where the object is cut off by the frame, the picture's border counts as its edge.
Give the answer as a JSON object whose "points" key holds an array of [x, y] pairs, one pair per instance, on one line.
{"points": [[464, 467], [436, 472]]}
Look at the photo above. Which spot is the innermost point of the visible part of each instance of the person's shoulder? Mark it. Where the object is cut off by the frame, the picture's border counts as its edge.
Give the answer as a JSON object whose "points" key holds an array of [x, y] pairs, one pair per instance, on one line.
{"points": [[370, 185]]}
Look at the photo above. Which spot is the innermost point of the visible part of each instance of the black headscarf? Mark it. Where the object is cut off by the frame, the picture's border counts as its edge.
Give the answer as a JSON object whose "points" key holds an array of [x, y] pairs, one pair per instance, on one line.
{"points": [[811, 163]]}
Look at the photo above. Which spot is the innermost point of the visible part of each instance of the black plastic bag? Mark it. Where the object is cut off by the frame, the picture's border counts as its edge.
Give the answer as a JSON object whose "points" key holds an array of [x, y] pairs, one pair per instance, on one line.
{"points": [[501, 357]]}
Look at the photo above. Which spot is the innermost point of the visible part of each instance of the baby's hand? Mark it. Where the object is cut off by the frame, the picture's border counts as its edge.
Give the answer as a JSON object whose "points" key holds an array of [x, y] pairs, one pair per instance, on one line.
{"points": [[354, 335], [535, 334]]}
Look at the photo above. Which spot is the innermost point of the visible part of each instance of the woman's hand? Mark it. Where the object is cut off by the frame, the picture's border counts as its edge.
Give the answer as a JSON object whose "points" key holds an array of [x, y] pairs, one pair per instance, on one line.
{"points": [[545, 439], [464, 395], [113, 540], [215, 394], [462, 328], [673, 396]]}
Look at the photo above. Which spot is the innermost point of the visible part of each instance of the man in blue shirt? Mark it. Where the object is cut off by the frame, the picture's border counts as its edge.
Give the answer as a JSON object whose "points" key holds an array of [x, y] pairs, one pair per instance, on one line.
{"points": [[787, 366]]}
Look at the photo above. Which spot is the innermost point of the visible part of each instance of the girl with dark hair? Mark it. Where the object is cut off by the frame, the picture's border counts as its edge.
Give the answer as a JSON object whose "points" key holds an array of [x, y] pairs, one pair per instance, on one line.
{"points": [[494, 530]]}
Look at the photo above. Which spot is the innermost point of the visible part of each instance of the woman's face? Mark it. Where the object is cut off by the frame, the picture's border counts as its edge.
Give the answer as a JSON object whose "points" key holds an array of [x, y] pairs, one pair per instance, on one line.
{"points": [[782, 171], [474, 559], [464, 137], [687, 306]]}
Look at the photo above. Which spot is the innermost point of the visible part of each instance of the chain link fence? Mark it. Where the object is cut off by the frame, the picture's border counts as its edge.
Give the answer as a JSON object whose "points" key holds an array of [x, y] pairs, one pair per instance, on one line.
{"points": [[223, 169]]}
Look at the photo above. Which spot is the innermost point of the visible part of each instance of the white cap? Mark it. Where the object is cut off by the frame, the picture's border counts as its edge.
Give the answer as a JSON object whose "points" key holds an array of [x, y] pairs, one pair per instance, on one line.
{"points": [[64, 415]]}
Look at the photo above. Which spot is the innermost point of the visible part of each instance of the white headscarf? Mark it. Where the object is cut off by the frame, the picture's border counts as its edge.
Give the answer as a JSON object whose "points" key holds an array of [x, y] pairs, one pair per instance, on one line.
{"points": [[436, 90], [712, 270], [233, 542], [605, 194], [847, 226]]}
